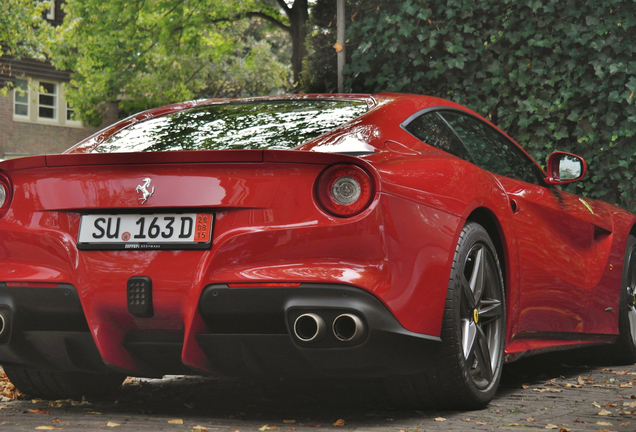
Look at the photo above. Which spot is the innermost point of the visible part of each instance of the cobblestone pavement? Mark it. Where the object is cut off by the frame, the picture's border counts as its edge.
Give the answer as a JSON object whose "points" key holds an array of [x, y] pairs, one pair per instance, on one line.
{"points": [[540, 393]]}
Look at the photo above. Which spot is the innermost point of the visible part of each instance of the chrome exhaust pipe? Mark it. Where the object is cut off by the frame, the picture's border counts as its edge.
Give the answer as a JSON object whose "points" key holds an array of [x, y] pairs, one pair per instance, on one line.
{"points": [[309, 327], [3, 323], [348, 328]]}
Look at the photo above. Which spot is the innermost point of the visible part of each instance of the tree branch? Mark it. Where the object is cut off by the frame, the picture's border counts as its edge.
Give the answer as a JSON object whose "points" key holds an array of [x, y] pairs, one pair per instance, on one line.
{"points": [[256, 14], [284, 6]]}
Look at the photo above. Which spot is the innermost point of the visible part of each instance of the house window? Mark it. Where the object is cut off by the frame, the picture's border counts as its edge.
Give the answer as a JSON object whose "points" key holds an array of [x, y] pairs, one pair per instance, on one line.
{"points": [[50, 14], [21, 98], [49, 11], [42, 102], [70, 113], [47, 101]]}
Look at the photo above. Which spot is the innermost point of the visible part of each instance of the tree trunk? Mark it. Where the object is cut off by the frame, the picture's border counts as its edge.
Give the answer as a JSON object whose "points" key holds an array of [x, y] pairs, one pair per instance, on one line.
{"points": [[298, 16]]}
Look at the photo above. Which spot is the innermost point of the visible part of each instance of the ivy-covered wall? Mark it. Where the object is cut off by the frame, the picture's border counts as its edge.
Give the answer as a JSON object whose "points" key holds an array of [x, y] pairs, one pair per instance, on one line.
{"points": [[555, 75]]}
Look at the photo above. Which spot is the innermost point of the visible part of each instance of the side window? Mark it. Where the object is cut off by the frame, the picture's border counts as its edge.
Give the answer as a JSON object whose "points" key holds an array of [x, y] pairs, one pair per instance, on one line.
{"points": [[491, 150], [433, 130]]}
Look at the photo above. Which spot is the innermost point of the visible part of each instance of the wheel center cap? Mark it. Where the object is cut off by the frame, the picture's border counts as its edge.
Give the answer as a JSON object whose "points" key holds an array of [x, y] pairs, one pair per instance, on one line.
{"points": [[476, 316]]}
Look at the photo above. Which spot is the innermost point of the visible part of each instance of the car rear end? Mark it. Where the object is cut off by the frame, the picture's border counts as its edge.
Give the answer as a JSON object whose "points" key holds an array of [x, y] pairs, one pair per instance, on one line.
{"points": [[230, 262]]}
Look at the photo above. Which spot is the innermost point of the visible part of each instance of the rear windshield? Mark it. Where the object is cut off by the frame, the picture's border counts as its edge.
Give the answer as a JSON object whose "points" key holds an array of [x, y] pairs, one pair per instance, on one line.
{"points": [[253, 125]]}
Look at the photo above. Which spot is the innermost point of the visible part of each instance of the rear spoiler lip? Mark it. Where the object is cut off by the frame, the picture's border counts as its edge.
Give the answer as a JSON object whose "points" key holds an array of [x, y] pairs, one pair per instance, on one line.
{"points": [[178, 157]]}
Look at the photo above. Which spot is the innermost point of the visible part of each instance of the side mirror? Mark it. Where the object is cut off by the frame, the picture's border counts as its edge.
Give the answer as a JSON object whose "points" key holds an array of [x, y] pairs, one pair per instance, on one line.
{"points": [[565, 168]]}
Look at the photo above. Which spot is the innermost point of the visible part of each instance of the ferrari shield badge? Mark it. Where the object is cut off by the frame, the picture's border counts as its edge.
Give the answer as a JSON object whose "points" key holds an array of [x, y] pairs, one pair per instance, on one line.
{"points": [[144, 190]]}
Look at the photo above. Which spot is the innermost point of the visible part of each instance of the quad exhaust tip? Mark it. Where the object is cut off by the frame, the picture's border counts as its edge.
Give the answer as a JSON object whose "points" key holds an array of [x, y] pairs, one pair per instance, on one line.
{"points": [[3, 323], [348, 328], [309, 327]]}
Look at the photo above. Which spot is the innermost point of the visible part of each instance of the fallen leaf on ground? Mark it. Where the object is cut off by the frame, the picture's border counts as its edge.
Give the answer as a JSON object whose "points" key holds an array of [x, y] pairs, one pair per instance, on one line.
{"points": [[39, 411], [603, 423], [45, 428], [525, 386], [339, 422], [624, 424], [551, 426], [514, 424], [112, 424], [198, 428], [289, 421], [596, 404], [439, 419], [483, 423], [604, 412], [175, 421], [266, 428], [565, 430], [530, 419], [465, 419]]}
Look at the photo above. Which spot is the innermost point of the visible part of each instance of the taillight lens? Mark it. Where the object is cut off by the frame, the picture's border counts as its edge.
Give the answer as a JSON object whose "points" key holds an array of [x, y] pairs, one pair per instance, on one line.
{"points": [[345, 190], [5, 194]]}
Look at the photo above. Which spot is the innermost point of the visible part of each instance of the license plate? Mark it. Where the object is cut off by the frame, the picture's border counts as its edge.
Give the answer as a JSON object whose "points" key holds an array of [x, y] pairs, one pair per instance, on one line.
{"points": [[145, 231]]}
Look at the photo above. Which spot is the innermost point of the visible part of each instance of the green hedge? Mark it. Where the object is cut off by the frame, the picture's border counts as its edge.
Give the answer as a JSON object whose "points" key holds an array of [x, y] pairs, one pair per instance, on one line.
{"points": [[555, 75]]}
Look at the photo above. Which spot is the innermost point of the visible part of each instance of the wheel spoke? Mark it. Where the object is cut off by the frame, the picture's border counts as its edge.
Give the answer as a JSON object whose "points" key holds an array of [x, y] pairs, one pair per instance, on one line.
{"points": [[490, 310], [631, 315], [468, 295], [469, 334], [482, 352], [477, 278]]}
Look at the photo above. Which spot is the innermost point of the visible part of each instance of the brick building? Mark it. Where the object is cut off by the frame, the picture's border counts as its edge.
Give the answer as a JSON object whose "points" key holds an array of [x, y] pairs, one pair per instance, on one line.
{"points": [[34, 116]]}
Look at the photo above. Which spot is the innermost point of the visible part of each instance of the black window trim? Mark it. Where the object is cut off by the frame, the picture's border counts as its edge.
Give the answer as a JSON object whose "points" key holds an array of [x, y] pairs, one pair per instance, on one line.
{"points": [[438, 109]]}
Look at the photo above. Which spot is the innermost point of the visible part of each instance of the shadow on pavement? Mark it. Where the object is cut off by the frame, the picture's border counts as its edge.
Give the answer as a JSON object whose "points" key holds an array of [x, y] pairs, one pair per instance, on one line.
{"points": [[320, 399]]}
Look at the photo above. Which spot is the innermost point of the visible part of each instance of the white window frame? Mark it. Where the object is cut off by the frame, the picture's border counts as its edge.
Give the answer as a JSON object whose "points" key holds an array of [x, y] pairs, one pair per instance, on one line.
{"points": [[50, 13], [56, 101], [60, 106], [16, 91]]}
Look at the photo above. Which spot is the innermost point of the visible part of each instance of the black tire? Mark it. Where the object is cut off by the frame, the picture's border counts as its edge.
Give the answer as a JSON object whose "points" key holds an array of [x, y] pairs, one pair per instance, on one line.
{"points": [[63, 385], [624, 350], [467, 365]]}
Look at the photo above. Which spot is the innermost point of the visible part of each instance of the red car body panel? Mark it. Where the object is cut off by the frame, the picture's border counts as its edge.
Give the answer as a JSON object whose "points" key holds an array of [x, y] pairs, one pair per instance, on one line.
{"points": [[561, 255]]}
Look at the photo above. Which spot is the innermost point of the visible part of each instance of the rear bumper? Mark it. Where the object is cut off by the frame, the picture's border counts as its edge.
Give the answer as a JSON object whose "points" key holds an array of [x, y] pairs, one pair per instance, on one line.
{"points": [[242, 332], [45, 328], [254, 331]]}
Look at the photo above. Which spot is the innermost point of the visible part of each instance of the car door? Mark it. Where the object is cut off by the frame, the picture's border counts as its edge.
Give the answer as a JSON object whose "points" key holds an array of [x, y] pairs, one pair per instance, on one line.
{"points": [[551, 235]]}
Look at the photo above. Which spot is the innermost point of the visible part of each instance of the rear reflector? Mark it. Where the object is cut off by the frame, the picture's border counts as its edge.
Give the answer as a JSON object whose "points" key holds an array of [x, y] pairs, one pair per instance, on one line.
{"points": [[263, 285], [33, 284]]}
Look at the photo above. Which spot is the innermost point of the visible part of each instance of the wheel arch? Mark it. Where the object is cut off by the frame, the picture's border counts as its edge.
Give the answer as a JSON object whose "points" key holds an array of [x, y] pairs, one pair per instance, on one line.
{"points": [[489, 221]]}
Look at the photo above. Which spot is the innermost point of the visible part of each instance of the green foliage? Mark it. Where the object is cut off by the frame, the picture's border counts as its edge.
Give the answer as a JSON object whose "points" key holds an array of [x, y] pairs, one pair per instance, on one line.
{"points": [[554, 74], [154, 52], [22, 30]]}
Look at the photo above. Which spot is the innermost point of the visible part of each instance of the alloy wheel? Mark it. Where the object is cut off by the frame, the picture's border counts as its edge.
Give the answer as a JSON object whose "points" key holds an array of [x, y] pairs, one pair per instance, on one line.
{"points": [[481, 314]]}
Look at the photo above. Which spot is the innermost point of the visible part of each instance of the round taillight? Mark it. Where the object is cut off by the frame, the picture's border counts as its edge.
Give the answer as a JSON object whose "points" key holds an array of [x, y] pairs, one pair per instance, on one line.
{"points": [[345, 190], [5, 194]]}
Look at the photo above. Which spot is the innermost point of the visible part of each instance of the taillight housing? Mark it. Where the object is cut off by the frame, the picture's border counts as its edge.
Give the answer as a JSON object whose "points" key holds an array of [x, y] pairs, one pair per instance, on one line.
{"points": [[345, 190], [5, 194]]}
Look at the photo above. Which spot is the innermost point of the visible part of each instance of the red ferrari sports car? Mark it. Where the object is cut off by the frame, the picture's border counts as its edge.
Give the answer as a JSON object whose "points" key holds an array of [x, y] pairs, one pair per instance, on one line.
{"points": [[386, 236]]}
